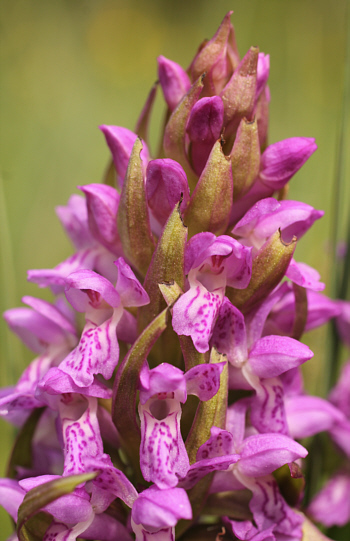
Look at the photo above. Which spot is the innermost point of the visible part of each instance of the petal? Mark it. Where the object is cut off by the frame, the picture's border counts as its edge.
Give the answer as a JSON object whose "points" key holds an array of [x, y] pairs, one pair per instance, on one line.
{"points": [[270, 509], [156, 508], [56, 277], [129, 288], [196, 249], [96, 353], [283, 159], [51, 312], [267, 406], [195, 313], [262, 454], [81, 433], [163, 457], [229, 335], [203, 467], [219, 444], [206, 118], [79, 284], [164, 379], [331, 506], [33, 328], [11, 496], [102, 205], [272, 355], [204, 380], [304, 276], [309, 415], [74, 219], [111, 483], [57, 382], [106, 528]]}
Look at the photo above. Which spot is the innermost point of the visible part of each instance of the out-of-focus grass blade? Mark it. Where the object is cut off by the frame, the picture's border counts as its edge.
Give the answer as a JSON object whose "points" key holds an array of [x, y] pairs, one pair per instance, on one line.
{"points": [[339, 268], [10, 349], [317, 450]]}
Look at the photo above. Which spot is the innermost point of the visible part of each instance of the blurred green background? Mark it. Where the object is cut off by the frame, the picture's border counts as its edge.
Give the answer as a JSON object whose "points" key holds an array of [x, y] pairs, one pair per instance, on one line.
{"points": [[68, 66]]}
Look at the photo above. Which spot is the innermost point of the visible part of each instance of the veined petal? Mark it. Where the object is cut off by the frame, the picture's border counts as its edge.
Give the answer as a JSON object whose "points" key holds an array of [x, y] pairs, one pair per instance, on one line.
{"points": [[204, 380], [195, 313], [96, 353], [163, 457], [111, 483], [219, 444], [229, 335], [57, 382], [203, 467], [267, 406], [270, 509], [81, 433]]}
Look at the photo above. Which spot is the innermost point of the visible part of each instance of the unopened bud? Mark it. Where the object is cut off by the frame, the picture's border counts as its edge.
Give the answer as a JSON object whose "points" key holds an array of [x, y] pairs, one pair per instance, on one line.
{"points": [[174, 81], [239, 93], [204, 128]]}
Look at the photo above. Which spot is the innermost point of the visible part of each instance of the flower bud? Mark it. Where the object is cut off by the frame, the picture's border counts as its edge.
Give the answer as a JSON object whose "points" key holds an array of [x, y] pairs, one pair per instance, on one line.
{"points": [[166, 185], [239, 93], [174, 81], [204, 128], [217, 58]]}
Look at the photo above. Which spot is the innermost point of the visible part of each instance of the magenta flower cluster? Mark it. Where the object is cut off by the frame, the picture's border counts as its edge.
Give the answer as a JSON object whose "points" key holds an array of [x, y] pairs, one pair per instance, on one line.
{"points": [[166, 398]]}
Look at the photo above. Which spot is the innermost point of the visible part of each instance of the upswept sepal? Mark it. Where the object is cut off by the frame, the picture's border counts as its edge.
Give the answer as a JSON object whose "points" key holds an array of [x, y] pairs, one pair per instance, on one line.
{"points": [[175, 131], [132, 219]]}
